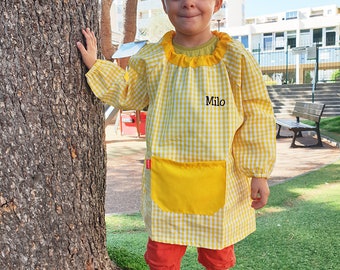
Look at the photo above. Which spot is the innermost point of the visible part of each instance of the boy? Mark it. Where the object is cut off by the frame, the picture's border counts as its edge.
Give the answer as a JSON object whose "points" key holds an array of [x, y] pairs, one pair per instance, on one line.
{"points": [[210, 134]]}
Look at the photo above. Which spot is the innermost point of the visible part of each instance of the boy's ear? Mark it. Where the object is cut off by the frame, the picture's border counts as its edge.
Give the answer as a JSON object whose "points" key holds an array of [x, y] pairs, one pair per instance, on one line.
{"points": [[164, 6], [218, 5]]}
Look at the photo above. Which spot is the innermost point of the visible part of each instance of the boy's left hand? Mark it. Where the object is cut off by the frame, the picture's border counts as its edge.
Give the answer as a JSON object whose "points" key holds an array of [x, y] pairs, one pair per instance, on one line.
{"points": [[259, 192]]}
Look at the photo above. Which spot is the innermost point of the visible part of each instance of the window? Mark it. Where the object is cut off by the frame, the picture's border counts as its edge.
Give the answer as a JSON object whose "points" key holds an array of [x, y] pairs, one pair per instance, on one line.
{"points": [[290, 15], [244, 40], [330, 36], [291, 39], [317, 36], [279, 41], [256, 42], [305, 39], [250, 21], [272, 19], [268, 41], [316, 13]]}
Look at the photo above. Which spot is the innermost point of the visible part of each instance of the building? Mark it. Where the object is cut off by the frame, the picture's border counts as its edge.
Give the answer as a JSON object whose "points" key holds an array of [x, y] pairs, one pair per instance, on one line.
{"points": [[280, 42], [283, 43]]}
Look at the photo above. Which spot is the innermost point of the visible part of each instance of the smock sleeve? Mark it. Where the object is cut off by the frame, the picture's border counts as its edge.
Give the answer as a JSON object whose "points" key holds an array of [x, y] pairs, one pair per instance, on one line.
{"points": [[254, 145], [117, 87]]}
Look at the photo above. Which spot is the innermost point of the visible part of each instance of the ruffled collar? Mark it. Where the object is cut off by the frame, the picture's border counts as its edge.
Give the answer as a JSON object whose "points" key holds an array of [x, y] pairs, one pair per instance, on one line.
{"points": [[183, 60]]}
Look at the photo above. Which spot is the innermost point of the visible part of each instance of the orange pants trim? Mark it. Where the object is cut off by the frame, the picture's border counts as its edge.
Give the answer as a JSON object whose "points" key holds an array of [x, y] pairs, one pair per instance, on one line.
{"points": [[162, 256]]}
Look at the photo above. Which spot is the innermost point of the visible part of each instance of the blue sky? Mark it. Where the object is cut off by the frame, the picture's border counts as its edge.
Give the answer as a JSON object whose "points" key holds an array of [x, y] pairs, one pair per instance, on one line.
{"points": [[263, 7]]}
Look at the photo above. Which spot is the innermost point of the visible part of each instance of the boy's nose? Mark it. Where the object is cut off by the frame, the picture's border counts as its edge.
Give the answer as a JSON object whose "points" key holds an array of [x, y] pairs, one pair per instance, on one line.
{"points": [[188, 3]]}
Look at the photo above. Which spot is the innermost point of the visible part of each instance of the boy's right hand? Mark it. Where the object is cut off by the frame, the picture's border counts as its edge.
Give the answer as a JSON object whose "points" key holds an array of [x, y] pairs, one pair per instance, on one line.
{"points": [[89, 54]]}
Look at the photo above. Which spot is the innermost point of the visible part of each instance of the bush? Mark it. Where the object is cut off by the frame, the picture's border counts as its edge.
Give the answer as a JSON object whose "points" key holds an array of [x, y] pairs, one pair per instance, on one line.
{"points": [[336, 75]]}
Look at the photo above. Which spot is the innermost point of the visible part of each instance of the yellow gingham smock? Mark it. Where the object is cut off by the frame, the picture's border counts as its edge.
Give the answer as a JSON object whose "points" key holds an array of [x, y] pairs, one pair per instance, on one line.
{"points": [[210, 128]]}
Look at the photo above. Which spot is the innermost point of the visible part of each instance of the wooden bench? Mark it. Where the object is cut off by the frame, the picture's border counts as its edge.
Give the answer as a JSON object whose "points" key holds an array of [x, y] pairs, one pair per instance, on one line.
{"points": [[309, 111]]}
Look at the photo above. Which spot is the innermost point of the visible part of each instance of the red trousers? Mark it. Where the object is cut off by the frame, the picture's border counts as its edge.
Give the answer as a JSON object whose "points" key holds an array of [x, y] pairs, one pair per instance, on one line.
{"points": [[161, 256]]}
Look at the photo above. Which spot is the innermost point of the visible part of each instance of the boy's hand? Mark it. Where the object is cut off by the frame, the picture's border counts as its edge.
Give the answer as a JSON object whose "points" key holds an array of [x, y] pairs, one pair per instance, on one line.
{"points": [[259, 192], [89, 55]]}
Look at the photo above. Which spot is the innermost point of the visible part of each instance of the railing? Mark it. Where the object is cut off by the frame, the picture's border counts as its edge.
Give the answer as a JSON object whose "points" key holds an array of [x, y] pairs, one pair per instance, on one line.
{"points": [[294, 67]]}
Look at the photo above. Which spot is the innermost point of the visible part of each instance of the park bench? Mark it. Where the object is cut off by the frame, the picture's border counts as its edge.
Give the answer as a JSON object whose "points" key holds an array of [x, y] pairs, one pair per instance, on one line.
{"points": [[309, 111]]}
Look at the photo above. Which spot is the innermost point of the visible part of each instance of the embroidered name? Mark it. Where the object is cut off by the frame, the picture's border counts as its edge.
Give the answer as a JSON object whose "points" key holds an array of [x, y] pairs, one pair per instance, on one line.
{"points": [[214, 101]]}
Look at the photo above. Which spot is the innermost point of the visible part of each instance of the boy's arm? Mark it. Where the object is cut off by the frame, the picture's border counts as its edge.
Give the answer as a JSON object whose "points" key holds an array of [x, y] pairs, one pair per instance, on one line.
{"points": [[89, 54], [109, 82], [259, 192], [254, 146]]}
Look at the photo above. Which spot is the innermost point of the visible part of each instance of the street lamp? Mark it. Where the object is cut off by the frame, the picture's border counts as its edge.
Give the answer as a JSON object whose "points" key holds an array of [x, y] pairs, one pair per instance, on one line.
{"points": [[287, 62], [219, 16]]}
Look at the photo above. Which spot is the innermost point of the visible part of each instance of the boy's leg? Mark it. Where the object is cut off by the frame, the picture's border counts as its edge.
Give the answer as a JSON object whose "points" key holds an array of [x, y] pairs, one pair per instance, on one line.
{"points": [[217, 259], [162, 256]]}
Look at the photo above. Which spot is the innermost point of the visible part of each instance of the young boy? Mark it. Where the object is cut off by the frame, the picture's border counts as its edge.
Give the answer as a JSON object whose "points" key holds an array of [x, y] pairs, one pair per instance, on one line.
{"points": [[210, 134]]}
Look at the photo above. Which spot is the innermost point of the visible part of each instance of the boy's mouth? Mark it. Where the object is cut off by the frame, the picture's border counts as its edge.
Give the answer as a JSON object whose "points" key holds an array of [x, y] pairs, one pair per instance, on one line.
{"points": [[189, 16]]}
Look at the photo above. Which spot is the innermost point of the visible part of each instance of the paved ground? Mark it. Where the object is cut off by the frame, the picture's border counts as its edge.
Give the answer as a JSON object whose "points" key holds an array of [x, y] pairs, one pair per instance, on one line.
{"points": [[125, 164]]}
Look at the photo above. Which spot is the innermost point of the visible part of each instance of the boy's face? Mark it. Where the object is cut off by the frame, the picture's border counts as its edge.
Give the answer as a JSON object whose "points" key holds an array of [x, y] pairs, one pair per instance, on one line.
{"points": [[191, 17]]}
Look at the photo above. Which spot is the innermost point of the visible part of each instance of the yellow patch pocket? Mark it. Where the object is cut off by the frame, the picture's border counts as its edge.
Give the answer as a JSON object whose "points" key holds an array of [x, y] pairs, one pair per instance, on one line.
{"points": [[188, 187]]}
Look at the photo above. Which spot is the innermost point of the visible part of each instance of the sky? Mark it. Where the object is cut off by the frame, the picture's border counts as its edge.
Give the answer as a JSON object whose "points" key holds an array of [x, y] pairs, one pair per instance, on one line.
{"points": [[264, 7]]}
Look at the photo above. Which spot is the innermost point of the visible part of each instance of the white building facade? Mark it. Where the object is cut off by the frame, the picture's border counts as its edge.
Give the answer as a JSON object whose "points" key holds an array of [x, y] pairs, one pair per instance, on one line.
{"points": [[280, 43], [276, 40], [303, 27]]}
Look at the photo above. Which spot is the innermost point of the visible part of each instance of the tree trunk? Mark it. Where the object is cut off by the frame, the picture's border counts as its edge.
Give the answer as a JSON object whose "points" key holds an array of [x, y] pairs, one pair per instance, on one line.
{"points": [[105, 30], [130, 28], [53, 160], [130, 14]]}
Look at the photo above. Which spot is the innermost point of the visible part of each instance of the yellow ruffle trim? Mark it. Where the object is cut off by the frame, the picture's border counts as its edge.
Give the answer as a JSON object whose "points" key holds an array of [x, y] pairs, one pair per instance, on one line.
{"points": [[183, 60]]}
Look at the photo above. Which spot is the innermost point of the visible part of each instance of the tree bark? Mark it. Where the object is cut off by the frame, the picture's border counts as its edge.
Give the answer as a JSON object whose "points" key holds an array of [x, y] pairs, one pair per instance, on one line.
{"points": [[130, 28], [130, 15], [53, 159], [108, 48]]}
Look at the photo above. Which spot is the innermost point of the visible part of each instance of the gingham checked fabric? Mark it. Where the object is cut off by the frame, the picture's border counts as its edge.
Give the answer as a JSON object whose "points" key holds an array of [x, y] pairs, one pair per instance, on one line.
{"points": [[204, 108]]}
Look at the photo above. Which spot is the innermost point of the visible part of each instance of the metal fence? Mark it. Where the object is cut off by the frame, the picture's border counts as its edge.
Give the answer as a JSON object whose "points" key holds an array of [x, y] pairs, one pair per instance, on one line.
{"points": [[296, 66]]}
